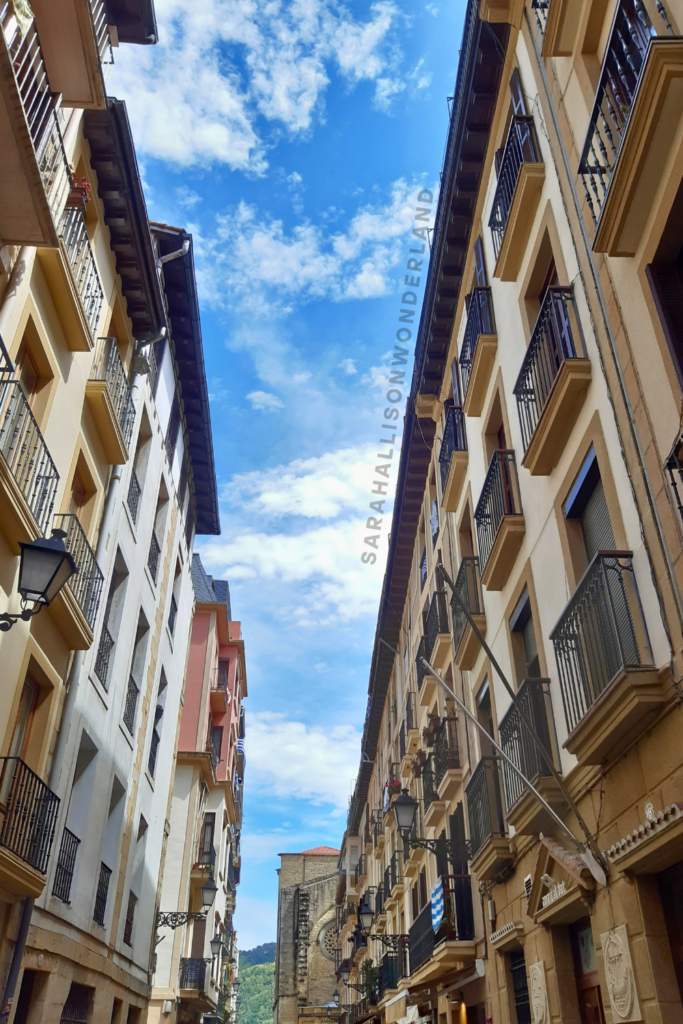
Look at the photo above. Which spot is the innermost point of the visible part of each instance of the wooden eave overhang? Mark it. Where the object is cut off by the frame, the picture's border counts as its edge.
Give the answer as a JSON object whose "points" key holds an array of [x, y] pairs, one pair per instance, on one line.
{"points": [[112, 156], [476, 93], [135, 20], [180, 286]]}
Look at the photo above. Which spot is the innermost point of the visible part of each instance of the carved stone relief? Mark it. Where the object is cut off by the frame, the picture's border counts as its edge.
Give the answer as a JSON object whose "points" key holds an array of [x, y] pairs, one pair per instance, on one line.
{"points": [[621, 982], [538, 994]]}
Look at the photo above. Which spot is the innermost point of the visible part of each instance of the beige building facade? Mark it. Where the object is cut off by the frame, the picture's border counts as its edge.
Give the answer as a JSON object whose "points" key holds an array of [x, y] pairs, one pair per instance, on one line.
{"points": [[546, 387]]}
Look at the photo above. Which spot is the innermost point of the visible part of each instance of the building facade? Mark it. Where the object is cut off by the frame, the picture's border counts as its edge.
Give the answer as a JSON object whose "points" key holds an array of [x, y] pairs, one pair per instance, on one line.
{"points": [[539, 473], [305, 982], [105, 436], [192, 977]]}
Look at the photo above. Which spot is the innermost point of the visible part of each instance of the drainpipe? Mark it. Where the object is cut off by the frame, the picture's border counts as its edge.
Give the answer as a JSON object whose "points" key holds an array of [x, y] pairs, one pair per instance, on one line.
{"points": [[17, 957]]}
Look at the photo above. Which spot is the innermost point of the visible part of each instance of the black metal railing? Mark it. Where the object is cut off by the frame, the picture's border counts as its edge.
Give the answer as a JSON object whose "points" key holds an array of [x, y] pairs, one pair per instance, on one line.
{"points": [[423, 568], [600, 634], [233, 876], [437, 620], [359, 870], [66, 863], [419, 667], [153, 752], [110, 369], [421, 939], [429, 793], [101, 894], [153, 556], [173, 611], [519, 746], [204, 857], [131, 704], [499, 498], [86, 584], [480, 320], [29, 809], [468, 589], [393, 967], [103, 657], [521, 148], [411, 714], [454, 440], [379, 902], [24, 450], [623, 63], [446, 754], [395, 869], [556, 338], [485, 804], [133, 496], [378, 827], [40, 106], [192, 973], [74, 234], [402, 741]]}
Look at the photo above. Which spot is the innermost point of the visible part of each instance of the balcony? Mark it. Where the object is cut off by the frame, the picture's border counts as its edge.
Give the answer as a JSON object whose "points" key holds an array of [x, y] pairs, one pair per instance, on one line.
{"points": [[409, 735], [193, 983], [552, 382], [75, 607], [434, 808], [434, 952], [488, 839], [33, 166], [520, 181], [110, 402], [468, 588], [413, 856], [204, 860], [29, 815], [453, 458], [378, 837], [629, 145], [426, 683], [133, 496], [423, 567], [555, 23], [610, 689], [153, 556], [219, 688], [438, 629], [446, 758], [76, 47], [393, 880], [522, 809], [359, 872], [130, 705], [500, 521], [393, 967], [103, 657], [478, 351], [66, 863], [28, 476]]}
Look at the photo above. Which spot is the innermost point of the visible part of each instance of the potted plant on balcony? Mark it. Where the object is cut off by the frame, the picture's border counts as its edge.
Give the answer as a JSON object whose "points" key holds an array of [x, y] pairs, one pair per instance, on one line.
{"points": [[80, 194], [393, 787]]}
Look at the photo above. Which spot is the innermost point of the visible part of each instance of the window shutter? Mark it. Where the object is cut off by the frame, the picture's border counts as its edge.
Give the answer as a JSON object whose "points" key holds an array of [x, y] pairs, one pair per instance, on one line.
{"points": [[518, 101], [595, 523], [479, 264]]}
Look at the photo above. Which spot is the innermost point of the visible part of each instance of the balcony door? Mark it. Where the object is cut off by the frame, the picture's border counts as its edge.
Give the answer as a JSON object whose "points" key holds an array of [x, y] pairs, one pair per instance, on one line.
{"points": [[206, 840], [21, 734], [671, 891], [586, 973]]}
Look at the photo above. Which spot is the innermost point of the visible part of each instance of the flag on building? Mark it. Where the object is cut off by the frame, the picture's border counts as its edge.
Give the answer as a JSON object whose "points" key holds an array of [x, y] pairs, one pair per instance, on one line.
{"points": [[437, 904]]}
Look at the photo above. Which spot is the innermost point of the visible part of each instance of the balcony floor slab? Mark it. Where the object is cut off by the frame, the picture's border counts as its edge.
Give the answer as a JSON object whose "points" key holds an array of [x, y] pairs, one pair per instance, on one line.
{"points": [[480, 374], [442, 648], [98, 400], [558, 417], [18, 877], [469, 646], [504, 552], [446, 957], [450, 784], [520, 221], [427, 693], [67, 301], [490, 860], [457, 471], [70, 620], [435, 813], [529, 817]]}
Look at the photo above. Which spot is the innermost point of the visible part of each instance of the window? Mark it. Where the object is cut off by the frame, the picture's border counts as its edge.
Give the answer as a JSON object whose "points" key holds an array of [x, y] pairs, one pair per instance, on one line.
{"points": [[525, 648], [665, 275], [206, 852], [587, 506], [75, 1009], [130, 918], [520, 989]]}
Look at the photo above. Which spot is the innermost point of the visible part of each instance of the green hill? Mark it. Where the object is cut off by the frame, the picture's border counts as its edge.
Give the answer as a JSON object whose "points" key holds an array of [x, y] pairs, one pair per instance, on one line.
{"points": [[263, 954], [256, 991]]}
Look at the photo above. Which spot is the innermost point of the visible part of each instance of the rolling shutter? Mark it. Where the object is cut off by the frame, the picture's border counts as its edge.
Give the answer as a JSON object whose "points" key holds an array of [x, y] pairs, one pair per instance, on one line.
{"points": [[595, 523]]}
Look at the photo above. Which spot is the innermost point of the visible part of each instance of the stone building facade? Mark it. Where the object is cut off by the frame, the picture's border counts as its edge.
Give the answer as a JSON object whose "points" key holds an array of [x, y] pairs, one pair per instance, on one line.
{"points": [[306, 934]]}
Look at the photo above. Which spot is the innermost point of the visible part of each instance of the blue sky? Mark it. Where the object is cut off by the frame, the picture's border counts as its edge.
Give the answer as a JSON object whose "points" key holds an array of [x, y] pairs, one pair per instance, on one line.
{"points": [[292, 139]]}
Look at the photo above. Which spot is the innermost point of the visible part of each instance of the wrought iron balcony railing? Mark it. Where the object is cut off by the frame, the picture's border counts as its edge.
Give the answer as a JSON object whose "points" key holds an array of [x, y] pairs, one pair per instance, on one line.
{"points": [[521, 148], [74, 234], [393, 966], [110, 369], [173, 611], [429, 793], [437, 620], [423, 568], [192, 973], [480, 320], [40, 107], [86, 584], [411, 714], [446, 749], [540, 10], [395, 869], [24, 450], [421, 939], [499, 498], [485, 804], [556, 338], [133, 496], [623, 63], [153, 556], [101, 894], [516, 742], [468, 589], [379, 902], [131, 704], [601, 633], [66, 863], [104, 649], [359, 871], [29, 813], [454, 440], [419, 667], [204, 857]]}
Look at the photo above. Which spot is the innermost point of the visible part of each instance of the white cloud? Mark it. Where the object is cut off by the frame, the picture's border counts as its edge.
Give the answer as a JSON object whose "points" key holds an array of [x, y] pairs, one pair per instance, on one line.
{"points": [[254, 263], [322, 487], [224, 68], [291, 759], [186, 197], [262, 400], [348, 366]]}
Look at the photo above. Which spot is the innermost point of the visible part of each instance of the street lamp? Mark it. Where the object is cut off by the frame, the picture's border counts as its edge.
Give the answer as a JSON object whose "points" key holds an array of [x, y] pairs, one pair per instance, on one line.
{"points": [[405, 809], [345, 973], [365, 916], [209, 890], [44, 568], [216, 945], [335, 997], [177, 918]]}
